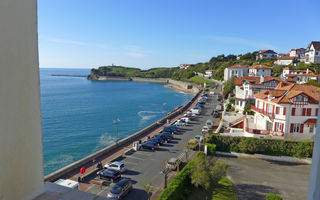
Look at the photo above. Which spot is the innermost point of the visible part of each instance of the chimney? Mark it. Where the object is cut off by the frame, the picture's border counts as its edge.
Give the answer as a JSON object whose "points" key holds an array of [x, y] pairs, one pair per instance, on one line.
{"points": [[307, 71], [260, 66], [261, 79]]}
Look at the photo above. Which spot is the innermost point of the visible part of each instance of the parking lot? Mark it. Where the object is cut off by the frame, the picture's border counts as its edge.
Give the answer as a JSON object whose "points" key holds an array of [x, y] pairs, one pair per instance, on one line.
{"points": [[144, 167]]}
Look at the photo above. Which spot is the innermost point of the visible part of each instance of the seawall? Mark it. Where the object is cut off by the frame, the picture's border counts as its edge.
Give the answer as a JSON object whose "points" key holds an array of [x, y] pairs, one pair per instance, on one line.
{"points": [[87, 161]]}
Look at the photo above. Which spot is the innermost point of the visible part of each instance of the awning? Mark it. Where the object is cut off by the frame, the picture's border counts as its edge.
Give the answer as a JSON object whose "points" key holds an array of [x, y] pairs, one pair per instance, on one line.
{"points": [[311, 122]]}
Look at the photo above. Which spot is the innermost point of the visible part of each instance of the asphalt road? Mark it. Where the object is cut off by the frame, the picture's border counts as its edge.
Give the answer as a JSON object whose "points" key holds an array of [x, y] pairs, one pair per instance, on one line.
{"points": [[255, 178], [144, 167]]}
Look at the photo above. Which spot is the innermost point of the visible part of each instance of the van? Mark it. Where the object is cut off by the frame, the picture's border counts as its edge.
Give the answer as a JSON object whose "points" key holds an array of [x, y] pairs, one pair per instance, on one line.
{"points": [[68, 183]]}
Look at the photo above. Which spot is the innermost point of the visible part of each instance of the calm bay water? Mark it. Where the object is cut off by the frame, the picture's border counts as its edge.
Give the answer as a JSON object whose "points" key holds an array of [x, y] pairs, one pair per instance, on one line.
{"points": [[78, 114]]}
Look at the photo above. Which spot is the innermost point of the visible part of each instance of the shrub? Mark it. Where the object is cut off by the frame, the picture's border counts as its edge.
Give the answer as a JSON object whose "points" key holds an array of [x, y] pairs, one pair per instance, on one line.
{"points": [[274, 147], [273, 197], [211, 149]]}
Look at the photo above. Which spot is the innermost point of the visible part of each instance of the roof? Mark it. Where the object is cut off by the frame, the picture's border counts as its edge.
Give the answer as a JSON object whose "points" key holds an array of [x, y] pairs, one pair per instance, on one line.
{"points": [[238, 66], [267, 51], [284, 94], [316, 45], [286, 58], [311, 121], [304, 74], [260, 67], [255, 80]]}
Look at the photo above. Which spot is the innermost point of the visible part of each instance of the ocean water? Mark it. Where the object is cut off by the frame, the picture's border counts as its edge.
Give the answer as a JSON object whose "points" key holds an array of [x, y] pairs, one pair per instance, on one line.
{"points": [[78, 114]]}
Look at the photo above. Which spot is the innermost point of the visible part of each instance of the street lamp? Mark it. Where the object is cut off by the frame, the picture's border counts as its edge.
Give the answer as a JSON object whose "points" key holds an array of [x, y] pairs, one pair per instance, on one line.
{"points": [[116, 122]]}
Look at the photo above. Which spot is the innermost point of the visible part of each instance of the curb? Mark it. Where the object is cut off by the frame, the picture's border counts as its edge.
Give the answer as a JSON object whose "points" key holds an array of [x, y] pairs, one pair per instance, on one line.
{"points": [[267, 157]]}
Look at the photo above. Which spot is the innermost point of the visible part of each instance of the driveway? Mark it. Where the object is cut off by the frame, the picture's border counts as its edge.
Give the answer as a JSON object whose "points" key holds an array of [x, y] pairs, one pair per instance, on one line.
{"points": [[255, 178]]}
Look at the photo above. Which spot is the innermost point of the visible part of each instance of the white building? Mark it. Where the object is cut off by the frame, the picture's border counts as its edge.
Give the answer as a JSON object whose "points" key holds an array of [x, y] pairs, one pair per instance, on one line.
{"points": [[260, 70], [298, 53], [286, 60], [209, 73], [265, 54], [247, 86], [290, 111], [312, 54], [235, 70], [184, 66]]}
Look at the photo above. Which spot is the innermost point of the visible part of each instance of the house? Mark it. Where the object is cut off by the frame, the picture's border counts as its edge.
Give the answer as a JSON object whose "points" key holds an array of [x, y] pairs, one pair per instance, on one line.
{"points": [[312, 53], [302, 78], [279, 55], [184, 66], [235, 70], [209, 73], [247, 86], [286, 60], [298, 53], [265, 54], [286, 111], [289, 70], [260, 70]]}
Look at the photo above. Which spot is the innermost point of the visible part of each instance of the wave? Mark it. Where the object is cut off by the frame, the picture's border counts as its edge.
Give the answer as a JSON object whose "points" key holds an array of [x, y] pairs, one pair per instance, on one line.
{"points": [[105, 140], [60, 161], [147, 115]]}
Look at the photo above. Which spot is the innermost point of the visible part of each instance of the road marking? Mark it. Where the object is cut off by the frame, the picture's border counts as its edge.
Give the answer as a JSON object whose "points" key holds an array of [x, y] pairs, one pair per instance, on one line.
{"points": [[89, 188], [144, 153], [131, 163]]}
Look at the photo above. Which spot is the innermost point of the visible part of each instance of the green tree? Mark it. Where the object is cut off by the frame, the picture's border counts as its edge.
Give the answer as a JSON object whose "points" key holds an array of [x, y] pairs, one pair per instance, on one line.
{"points": [[229, 87], [247, 109]]}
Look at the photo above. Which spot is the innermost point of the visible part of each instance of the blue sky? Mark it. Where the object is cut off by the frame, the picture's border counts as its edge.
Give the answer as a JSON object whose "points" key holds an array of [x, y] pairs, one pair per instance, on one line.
{"points": [[166, 33]]}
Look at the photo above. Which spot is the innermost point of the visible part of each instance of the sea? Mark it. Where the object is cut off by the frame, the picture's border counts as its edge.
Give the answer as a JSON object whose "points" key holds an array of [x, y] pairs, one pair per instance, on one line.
{"points": [[79, 115]]}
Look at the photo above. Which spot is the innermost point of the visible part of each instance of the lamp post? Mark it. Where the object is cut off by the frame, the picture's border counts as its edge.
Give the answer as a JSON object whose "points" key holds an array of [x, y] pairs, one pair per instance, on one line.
{"points": [[116, 122]]}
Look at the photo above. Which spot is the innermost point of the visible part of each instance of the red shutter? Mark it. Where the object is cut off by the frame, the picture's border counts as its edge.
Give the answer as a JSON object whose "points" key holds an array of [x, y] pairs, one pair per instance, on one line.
{"points": [[277, 110], [284, 110], [303, 112], [291, 128], [317, 111], [275, 126], [282, 128], [293, 112], [263, 106], [273, 109], [257, 104], [309, 112], [301, 128]]}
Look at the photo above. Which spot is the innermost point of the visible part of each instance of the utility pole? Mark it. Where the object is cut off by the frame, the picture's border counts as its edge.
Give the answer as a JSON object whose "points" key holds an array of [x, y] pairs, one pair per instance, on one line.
{"points": [[314, 181]]}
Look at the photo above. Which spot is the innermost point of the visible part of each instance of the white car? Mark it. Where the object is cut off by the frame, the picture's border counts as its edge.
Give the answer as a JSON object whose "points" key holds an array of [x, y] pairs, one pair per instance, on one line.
{"points": [[199, 138], [185, 119], [116, 166], [195, 111], [180, 123], [205, 129]]}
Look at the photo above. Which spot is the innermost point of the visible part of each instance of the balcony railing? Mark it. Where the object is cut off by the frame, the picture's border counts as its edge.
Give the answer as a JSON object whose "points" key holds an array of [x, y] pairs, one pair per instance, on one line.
{"points": [[271, 115], [263, 132]]}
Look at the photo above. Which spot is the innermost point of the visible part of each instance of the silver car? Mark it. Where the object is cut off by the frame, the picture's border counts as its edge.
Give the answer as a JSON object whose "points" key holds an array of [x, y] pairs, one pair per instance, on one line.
{"points": [[120, 189], [116, 166]]}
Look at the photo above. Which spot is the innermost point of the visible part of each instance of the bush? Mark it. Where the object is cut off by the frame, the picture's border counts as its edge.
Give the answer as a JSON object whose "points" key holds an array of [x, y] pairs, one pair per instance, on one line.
{"points": [[211, 149], [274, 147], [273, 197]]}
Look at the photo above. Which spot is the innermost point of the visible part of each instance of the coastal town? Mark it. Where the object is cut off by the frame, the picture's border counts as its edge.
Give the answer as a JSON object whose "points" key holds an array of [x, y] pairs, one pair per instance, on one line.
{"points": [[159, 100]]}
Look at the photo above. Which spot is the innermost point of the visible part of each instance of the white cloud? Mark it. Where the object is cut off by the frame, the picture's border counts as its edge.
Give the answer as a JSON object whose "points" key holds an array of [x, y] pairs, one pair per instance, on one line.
{"points": [[243, 41]]}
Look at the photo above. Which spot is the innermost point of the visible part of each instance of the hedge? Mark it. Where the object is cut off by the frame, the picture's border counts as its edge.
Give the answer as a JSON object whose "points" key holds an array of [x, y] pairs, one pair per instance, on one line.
{"points": [[211, 149], [273, 197], [274, 147]]}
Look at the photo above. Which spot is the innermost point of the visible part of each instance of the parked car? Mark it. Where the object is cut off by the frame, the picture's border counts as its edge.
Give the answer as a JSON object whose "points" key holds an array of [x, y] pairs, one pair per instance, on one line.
{"points": [[166, 136], [215, 114], [120, 189], [116, 166], [109, 174], [205, 129], [200, 104], [186, 119], [195, 111], [209, 123], [190, 115], [148, 145], [170, 129], [173, 163], [180, 123], [157, 140], [193, 144], [199, 138]]}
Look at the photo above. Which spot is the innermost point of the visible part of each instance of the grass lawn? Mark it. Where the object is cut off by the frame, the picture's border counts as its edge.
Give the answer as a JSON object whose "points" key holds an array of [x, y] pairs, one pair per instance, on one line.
{"points": [[200, 81], [224, 190]]}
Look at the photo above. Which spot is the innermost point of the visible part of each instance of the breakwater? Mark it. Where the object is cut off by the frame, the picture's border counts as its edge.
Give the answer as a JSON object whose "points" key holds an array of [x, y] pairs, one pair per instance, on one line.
{"points": [[72, 169]]}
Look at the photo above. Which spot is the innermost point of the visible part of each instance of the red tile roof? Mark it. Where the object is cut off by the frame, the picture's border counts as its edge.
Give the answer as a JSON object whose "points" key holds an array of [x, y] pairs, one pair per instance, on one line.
{"points": [[304, 74], [267, 51], [311, 121], [238, 66], [286, 58], [260, 67]]}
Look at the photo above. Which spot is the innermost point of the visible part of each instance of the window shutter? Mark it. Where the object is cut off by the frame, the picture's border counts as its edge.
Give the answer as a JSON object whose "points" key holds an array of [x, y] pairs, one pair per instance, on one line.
{"points": [[293, 112], [284, 110], [282, 125], [317, 111], [301, 128], [303, 112], [277, 110], [275, 126], [291, 128], [309, 112]]}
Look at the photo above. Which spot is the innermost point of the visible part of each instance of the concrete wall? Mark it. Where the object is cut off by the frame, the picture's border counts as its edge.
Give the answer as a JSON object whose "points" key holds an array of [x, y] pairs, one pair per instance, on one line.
{"points": [[21, 165]]}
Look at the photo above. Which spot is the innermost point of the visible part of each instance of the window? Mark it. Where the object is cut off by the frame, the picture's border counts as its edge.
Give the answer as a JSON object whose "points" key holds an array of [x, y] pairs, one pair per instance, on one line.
{"points": [[278, 127], [311, 129], [293, 112], [308, 111], [296, 128]]}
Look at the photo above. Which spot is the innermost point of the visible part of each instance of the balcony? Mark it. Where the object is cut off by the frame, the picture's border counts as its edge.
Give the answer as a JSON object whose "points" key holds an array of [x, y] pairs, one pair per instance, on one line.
{"points": [[261, 111]]}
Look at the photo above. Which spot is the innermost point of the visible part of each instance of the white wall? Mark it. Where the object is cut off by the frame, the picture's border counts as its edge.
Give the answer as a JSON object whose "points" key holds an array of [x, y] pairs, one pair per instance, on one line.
{"points": [[21, 166]]}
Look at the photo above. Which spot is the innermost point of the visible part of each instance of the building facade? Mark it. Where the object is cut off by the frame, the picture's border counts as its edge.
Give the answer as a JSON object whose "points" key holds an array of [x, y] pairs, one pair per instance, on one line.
{"points": [[312, 54], [266, 54], [297, 53], [260, 70], [290, 111], [235, 70], [286, 61]]}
